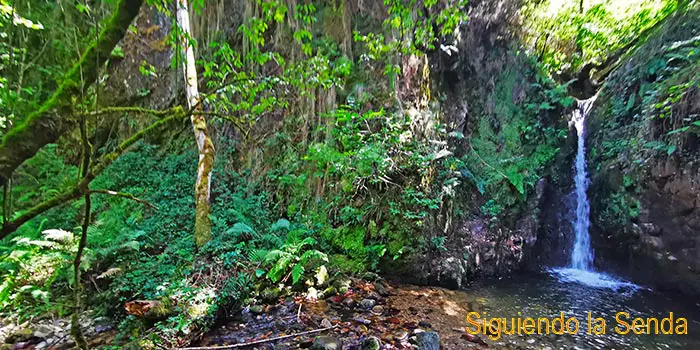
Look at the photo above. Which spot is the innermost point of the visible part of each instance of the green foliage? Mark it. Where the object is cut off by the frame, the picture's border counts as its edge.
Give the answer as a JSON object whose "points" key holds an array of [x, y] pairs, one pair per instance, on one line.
{"points": [[565, 38], [618, 209], [31, 271], [292, 258], [512, 147]]}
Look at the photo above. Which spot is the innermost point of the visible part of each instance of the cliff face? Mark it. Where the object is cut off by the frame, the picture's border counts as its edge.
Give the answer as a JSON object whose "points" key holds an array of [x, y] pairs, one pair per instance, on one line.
{"points": [[489, 88], [643, 160], [502, 125]]}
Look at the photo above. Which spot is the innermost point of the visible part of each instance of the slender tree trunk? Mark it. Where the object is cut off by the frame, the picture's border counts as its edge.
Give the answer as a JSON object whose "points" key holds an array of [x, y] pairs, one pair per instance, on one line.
{"points": [[202, 232]]}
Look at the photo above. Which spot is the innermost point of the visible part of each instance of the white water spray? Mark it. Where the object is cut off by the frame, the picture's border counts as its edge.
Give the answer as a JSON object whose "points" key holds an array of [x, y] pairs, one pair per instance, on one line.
{"points": [[582, 254]]}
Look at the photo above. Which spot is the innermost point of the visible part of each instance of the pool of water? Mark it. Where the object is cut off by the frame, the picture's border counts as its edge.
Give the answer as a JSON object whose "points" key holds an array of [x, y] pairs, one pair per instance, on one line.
{"points": [[578, 293]]}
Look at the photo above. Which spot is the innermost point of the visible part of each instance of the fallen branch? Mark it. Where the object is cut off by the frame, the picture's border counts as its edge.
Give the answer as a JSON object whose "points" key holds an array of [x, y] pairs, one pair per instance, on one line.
{"points": [[261, 341], [125, 195]]}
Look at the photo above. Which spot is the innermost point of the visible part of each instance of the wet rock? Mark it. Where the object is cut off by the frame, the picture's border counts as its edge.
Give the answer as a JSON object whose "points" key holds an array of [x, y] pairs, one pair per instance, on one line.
{"points": [[374, 295], [371, 343], [349, 303], [370, 276], [44, 331], [381, 289], [427, 341], [328, 292], [324, 342], [103, 324], [19, 336], [652, 229], [256, 309], [424, 324], [270, 295], [367, 303], [362, 320]]}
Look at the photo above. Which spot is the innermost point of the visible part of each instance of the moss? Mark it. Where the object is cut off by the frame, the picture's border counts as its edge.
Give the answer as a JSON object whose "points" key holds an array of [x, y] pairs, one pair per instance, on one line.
{"points": [[56, 115]]}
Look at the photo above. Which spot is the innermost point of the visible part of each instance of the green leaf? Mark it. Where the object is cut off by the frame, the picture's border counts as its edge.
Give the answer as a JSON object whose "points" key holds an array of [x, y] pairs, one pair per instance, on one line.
{"points": [[671, 149], [240, 228], [117, 52], [281, 224], [297, 272]]}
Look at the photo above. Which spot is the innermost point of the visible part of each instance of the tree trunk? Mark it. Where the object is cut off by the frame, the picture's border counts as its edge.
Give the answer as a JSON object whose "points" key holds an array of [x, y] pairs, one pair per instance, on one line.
{"points": [[202, 231], [55, 116]]}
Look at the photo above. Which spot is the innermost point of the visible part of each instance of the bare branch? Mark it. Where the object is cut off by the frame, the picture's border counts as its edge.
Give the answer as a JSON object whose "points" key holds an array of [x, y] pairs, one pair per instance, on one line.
{"points": [[125, 195]]}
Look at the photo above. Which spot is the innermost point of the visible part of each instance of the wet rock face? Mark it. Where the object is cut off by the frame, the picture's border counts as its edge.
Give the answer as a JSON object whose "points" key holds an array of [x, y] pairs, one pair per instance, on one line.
{"points": [[661, 246], [477, 248]]}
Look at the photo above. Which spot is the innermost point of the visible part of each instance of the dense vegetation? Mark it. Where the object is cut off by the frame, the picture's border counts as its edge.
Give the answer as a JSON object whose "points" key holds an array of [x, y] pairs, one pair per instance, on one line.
{"points": [[333, 152]]}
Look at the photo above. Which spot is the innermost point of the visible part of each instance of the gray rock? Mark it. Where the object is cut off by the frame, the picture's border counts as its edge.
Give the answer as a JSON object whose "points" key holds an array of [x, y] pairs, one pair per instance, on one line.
{"points": [[325, 342], [428, 341], [381, 289], [367, 303], [19, 336], [370, 276], [377, 310], [371, 343], [374, 295]]}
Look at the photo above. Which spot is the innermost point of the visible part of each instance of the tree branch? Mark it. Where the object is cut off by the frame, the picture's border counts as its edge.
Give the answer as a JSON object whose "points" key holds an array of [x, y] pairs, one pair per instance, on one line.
{"points": [[125, 195], [82, 187], [55, 116]]}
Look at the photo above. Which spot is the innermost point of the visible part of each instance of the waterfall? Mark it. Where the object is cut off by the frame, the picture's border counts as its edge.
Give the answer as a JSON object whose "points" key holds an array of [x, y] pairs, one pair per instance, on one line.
{"points": [[581, 254], [581, 268]]}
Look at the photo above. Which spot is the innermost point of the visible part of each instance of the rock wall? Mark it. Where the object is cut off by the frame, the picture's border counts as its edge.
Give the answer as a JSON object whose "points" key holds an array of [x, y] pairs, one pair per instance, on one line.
{"points": [[483, 78], [645, 194]]}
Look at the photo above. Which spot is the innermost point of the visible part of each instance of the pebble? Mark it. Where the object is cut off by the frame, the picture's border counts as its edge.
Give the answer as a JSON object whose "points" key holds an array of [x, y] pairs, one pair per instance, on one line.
{"points": [[362, 320], [428, 341], [377, 310], [367, 303], [349, 303], [324, 342], [371, 343]]}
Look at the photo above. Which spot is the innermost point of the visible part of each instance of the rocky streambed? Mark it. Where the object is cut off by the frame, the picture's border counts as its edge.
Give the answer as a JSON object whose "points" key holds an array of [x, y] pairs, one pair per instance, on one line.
{"points": [[387, 315], [366, 315]]}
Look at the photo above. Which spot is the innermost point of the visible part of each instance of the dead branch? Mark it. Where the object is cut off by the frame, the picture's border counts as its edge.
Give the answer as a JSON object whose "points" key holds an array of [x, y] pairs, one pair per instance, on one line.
{"points": [[256, 342]]}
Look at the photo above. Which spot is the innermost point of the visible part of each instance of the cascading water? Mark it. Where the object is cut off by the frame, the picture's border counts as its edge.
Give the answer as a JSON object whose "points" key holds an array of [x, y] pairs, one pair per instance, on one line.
{"points": [[581, 268], [582, 254]]}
